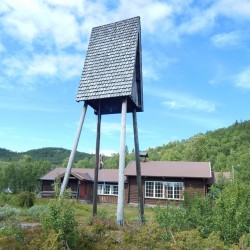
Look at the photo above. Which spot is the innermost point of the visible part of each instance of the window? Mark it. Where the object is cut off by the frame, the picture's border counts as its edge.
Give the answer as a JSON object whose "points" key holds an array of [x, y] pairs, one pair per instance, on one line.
{"points": [[149, 189], [107, 189], [164, 190], [158, 189]]}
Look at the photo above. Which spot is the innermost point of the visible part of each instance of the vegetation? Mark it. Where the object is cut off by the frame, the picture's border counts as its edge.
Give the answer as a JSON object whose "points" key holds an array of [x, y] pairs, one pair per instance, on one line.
{"points": [[22, 175], [221, 220], [60, 219], [202, 223], [223, 148], [56, 156]]}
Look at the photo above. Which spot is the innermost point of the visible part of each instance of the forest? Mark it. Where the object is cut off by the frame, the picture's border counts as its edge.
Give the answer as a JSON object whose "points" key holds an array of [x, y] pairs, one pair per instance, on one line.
{"points": [[221, 220], [224, 148]]}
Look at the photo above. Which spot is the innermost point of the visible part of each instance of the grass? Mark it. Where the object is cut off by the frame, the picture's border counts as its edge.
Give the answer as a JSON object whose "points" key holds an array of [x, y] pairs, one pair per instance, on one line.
{"points": [[83, 212], [108, 211]]}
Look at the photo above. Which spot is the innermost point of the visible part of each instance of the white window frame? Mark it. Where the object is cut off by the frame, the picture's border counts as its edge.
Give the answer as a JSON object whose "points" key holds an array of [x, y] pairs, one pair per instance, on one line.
{"points": [[160, 190], [102, 189]]}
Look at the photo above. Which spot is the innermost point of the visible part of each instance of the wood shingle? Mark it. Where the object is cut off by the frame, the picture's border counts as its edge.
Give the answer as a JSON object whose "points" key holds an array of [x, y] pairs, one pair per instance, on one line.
{"points": [[112, 68]]}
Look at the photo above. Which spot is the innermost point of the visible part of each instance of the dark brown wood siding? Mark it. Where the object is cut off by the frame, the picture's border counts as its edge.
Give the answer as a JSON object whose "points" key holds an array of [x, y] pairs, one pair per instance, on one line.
{"points": [[132, 191], [73, 185], [47, 185], [194, 186], [191, 185], [107, 199]]}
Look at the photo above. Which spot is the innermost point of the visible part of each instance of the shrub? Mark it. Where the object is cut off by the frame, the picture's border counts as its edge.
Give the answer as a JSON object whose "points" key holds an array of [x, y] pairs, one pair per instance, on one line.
{"points": [[172, 219], [25, 199], [37, 211], [41, 241], [6, 199], [232, 214], [60, 217], [11, 231], [8, 211]]}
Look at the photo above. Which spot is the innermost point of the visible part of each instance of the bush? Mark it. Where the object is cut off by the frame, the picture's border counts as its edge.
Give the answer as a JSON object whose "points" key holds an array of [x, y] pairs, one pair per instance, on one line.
{"points": [[6, 199], [8, 211], [37, 211], [60, 218], [26, 199], [232, 214], [172, 219], [11, 231]]}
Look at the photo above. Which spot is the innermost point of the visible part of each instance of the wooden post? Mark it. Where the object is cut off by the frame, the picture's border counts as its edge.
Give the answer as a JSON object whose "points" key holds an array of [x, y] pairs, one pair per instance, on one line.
{"points": [[97, 153], [73, 151], [138, 169], [120, 204]]}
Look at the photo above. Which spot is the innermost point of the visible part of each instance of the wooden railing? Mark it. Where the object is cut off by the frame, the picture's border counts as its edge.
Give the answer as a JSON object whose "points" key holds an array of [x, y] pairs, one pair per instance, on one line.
{"points": [[52, 194]]}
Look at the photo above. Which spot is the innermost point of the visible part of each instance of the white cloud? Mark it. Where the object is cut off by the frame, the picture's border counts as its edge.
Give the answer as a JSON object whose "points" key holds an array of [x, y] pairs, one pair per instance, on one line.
{"points": [[198, 20], [242, 80], [30, 20], [44, 65], [66, 23], [189, 103], [11, 66], [224, 40], [238, 10], [202, 18], [62, 66], [153, 67], [152, 12], [181, 101], [108, 128], [206, 121]]}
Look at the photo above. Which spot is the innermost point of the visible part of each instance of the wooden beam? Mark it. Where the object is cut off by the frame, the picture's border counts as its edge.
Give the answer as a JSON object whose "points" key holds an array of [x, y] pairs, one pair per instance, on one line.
{"points": [[138, 169], [73, 151], [97, 153], [120, 204]]}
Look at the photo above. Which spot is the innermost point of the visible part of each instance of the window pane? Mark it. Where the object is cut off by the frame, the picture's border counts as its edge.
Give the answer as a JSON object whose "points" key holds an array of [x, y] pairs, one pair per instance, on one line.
{"points": [[178, 190], [106, 189], [99, 189], [159, 189], [149, 189], [115, 189], [170, 190]]}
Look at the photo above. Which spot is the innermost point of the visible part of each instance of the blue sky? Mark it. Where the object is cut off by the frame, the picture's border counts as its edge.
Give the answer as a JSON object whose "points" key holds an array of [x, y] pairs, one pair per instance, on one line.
{"points": [[196, 70]]}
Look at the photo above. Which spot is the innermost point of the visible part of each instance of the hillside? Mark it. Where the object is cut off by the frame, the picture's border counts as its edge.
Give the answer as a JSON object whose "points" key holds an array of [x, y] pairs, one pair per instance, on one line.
{"points": [[55, 156], [223, 147]]}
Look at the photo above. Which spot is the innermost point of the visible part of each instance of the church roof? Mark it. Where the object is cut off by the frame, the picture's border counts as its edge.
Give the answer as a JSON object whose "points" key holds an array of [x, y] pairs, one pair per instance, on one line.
{"points": [[112, 67]]}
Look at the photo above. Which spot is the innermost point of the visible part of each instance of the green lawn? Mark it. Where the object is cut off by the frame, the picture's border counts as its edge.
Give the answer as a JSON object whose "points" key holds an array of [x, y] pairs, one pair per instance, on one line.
{"points": [[10, 212]]}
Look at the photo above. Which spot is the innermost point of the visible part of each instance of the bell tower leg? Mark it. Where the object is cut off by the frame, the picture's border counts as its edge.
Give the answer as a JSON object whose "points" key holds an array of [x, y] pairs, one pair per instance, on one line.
{"points": [[97, 153], [138, 169], [73, 151], [120, 205]]}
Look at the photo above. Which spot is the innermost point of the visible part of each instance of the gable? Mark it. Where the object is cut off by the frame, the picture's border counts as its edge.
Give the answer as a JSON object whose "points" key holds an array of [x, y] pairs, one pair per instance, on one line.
{"points": [[87, 174], [112, 68]]}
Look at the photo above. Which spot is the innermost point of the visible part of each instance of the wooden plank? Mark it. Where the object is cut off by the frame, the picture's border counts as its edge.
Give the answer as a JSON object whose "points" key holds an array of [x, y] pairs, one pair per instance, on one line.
{"points": [[73, 151], [97, 153], [120, 205], [138, 169]]}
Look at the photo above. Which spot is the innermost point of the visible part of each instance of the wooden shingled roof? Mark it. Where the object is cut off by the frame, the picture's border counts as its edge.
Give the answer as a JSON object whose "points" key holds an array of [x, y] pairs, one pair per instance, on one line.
{"points": [[87, 174], [180, 169], [112, 68]]}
